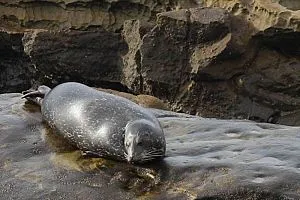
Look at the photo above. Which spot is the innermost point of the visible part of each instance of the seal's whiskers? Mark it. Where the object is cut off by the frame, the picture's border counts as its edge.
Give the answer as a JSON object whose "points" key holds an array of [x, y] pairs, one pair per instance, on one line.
{"points": [[154, 152], [147, 159], [150, 156]]}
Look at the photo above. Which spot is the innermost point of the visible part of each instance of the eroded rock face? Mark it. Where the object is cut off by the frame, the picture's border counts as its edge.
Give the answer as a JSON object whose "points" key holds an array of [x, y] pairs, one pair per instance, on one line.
{"points": [[205, 159], [78, 14], [176, 38], [290, 4], [262, 14], [92, 57], [183, 59], [241, 65]]}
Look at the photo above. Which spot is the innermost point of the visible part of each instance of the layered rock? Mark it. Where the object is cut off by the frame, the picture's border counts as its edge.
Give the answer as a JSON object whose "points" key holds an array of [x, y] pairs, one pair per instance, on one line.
{"points": [[15, 66], [49, 28], [262, 14], [270, 81], [246, 68], [78, 14], [184, 59]]}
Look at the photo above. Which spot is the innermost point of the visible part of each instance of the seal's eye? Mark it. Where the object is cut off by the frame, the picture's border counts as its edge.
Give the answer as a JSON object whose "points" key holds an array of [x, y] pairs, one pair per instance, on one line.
{"points": [[139, 144]]}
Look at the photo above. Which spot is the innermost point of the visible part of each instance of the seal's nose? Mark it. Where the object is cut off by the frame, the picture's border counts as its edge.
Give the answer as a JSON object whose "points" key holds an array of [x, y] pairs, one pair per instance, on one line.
{"points": [[129, 158]]}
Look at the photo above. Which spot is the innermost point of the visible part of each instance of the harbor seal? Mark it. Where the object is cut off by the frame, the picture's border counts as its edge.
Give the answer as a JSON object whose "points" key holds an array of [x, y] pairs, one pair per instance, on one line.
{"points": [[99, 123]]}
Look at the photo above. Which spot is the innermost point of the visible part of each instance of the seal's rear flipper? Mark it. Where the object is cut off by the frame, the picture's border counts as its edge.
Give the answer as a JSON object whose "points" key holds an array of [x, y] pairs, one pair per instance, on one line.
{"points": [[36, 96]]}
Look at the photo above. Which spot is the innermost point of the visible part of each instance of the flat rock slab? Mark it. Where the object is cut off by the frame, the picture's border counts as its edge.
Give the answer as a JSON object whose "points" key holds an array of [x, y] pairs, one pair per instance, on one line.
{"points": [[206, 159]]}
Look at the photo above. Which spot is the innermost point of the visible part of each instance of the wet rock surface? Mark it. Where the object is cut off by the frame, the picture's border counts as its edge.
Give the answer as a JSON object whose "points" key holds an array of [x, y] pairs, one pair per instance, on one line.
{"points": [[206, 159]]}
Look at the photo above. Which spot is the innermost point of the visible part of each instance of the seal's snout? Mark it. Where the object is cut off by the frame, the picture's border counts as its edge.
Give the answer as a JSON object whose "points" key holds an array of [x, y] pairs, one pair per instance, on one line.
{"points": [[129, 159]]}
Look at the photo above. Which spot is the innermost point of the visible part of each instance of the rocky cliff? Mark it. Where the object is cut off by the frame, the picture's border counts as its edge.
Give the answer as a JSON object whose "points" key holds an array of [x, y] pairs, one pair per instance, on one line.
{"points": [[82, 14], [231, 59]]}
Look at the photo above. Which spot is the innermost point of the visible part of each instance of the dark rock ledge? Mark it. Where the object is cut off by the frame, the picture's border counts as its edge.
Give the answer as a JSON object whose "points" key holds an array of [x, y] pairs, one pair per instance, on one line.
{"points": [[206, 159]]}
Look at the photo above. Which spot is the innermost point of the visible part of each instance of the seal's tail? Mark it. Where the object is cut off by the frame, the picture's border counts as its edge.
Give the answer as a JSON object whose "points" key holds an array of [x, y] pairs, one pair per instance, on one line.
{"points": [[36, 96]]}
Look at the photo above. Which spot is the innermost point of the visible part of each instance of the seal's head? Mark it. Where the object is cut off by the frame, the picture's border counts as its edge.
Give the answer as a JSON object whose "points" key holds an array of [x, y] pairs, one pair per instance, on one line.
{"points": [[144, 141]]}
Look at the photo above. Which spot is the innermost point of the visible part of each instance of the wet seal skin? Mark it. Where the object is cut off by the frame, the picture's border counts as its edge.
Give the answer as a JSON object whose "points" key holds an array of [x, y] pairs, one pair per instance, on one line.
{"points": [[141, 180], [99, 123]]}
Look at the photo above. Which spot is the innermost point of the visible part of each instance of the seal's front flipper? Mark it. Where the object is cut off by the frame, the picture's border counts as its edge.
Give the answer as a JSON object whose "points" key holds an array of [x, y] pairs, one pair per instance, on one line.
{"points": [[36, 96]]}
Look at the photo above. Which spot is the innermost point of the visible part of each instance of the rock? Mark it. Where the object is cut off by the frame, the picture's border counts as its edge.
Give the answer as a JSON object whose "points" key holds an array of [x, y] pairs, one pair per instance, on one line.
{"points": [[262, 14], [206, 159], [81, 14], [290, 4], [179, 55], [272, 84], [151, 102], [166, 49], [14, 64], [133, 32], [146, 101], [204, 61], [92, 57]]}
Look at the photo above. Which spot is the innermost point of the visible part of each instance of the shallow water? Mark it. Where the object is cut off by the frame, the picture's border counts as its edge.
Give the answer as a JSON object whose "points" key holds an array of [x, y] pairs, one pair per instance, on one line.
{"points": [[205, 158]]}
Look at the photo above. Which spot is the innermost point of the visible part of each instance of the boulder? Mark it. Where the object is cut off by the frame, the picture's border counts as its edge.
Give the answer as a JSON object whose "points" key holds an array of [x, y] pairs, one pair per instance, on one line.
{"points": [[182, 59], [269, 80], [208, 62], [262, 14], [92, 57]]}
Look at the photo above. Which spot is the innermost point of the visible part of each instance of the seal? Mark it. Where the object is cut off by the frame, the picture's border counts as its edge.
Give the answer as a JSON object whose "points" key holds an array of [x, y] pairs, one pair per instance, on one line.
{"points": [[99, 123]]}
